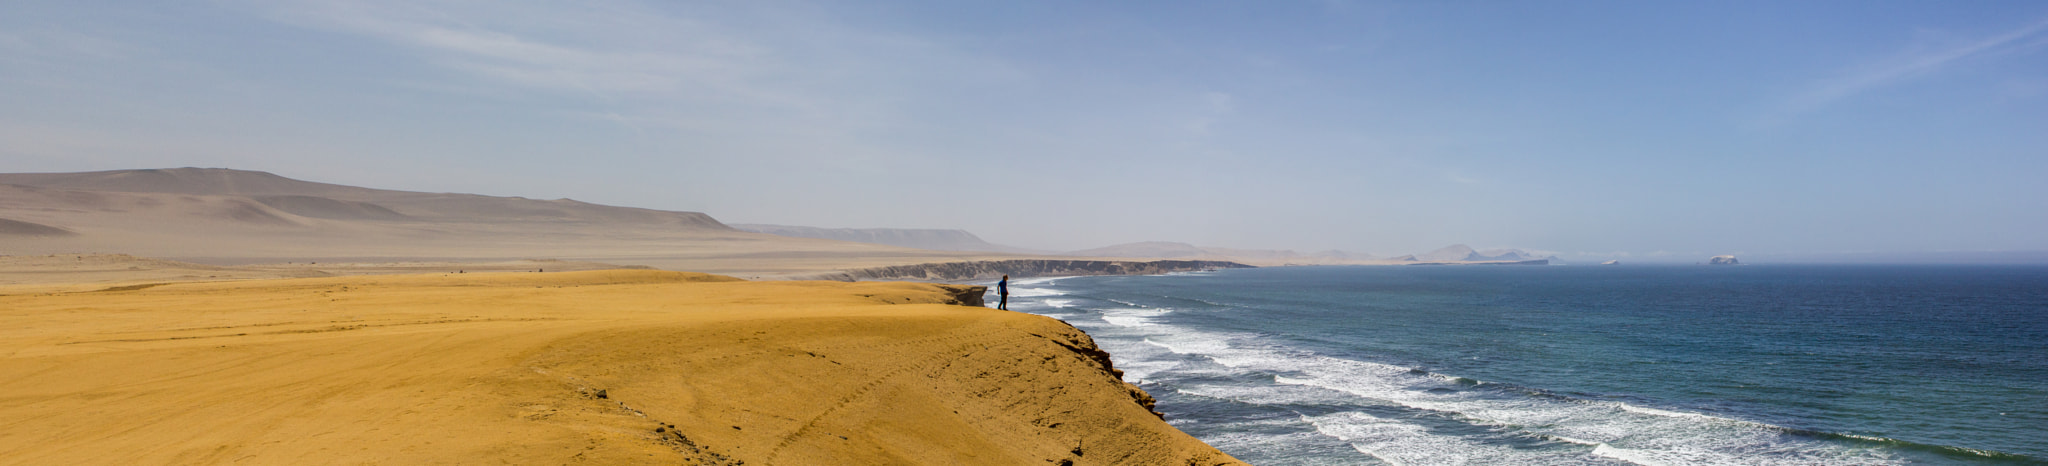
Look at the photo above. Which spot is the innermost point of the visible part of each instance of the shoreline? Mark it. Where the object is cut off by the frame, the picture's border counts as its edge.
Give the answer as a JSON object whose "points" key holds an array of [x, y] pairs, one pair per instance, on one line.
{"points": [[1021, 268]]}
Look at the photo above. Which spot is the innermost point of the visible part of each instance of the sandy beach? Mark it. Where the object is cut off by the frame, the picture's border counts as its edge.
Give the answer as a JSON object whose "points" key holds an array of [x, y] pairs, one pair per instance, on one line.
{"points": [[602, 367]]}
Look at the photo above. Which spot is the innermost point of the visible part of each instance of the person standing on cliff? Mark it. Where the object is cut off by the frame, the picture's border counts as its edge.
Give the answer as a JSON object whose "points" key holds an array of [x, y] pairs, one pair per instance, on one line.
{"points": [[1003, 293]]}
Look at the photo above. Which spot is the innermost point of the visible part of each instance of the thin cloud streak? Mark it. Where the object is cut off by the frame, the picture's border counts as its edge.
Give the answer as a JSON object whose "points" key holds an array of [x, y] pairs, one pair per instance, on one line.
{"points": [[608, 54], [1911, 65]]}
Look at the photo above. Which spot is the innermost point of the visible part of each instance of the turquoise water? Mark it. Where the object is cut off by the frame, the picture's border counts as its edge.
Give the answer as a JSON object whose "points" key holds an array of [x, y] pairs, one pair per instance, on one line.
{"points": [[1810, 365]]}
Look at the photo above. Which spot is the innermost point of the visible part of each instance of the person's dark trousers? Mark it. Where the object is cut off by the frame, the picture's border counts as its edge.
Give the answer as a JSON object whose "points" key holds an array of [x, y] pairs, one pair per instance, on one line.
{"points": [[1004, 302]]}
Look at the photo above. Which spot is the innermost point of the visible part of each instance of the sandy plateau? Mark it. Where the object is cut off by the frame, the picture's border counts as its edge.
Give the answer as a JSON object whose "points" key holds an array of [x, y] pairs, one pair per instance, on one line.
{"points": [[206, 316], [603, 367]]}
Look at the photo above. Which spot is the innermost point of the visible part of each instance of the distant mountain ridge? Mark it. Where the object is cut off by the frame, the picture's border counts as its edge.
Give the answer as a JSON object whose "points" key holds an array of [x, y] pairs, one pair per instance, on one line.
{"points": [[933, 239], [265, 198], [226, 217], [1463, 253], [187, 180], [26, 229], [1263, 257]]}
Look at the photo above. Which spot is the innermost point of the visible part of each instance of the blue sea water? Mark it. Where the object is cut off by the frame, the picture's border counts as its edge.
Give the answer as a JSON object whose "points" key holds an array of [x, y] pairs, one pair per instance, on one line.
{"points": [[1651, 365]]}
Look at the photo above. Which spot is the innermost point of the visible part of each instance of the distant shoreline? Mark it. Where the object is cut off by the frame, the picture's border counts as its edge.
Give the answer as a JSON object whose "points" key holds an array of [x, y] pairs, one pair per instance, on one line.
{"points": [[1019, 268]]}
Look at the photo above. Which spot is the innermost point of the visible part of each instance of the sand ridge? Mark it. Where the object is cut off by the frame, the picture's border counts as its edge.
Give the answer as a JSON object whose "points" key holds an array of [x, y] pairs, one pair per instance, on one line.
{"points": [[605, 367]]}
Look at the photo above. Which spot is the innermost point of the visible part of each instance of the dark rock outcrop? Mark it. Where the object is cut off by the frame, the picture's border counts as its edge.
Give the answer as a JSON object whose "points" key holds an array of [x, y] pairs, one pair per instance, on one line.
{"points": [[966, 295], [1723, 260]]}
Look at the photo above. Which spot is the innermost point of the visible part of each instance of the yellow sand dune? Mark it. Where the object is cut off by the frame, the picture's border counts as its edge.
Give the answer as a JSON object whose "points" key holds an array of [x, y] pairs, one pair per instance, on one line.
{"points": [[601, 367]]}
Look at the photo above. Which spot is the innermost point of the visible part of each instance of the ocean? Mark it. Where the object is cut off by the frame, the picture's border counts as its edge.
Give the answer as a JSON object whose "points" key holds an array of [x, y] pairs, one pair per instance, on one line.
{"points": [[1528, 365]]}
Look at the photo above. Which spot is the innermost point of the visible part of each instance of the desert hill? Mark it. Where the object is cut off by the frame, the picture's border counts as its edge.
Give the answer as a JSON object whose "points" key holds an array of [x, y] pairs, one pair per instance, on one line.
{"points": [[933, 239], [258, 194], [26, 229], [1455, 252], [218, 181], [225, 216]]}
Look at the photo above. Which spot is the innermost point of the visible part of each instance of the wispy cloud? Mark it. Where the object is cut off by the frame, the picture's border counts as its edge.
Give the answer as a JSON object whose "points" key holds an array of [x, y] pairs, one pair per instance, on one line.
{"points": [[603, 51], [777, 77], [1917, 61]]}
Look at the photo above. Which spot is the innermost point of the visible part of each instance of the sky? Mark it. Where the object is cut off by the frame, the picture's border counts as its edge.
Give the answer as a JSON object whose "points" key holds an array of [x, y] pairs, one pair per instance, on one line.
{"points": [[1592, 130]]}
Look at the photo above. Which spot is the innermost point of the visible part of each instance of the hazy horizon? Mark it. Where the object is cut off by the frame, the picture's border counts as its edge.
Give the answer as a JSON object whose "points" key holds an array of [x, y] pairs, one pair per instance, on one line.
{"points": [[1591, 130]]}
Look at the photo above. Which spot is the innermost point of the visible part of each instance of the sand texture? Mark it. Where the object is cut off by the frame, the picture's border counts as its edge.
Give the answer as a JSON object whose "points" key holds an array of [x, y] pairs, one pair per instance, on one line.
{"points": [[598, 367]]}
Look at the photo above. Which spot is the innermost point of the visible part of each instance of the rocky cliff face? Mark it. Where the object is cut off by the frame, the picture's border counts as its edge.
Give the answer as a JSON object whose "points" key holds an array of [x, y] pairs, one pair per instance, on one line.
{"points": [[1023, 268], [965, 295]]}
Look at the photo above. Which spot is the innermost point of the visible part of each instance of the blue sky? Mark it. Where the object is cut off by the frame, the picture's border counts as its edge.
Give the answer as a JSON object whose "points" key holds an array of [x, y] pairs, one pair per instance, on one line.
{"points": [[1591, 129]]}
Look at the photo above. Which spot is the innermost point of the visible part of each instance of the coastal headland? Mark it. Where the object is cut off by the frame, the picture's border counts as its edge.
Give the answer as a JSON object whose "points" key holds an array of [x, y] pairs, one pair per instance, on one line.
{"points": [[991, 269], [607, 367]]}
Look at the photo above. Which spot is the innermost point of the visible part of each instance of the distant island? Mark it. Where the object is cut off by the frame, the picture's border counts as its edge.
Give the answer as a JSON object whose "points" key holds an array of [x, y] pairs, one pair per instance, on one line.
{"points": [[1723, 260]]}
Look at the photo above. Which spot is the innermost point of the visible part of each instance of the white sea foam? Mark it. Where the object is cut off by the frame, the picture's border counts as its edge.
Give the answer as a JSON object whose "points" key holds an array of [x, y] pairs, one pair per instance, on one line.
{"points": [[1405, 443], [1140, 361], [1035, 281], [1577, 441], [1267, 441], [1127, 321], [1059, 303], [1610, 431], [1021, 292], [1609, 451], [1138, 372], [1197, 346], [1590, 432], [1133, 317]]}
